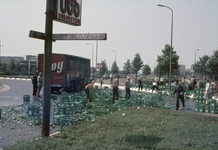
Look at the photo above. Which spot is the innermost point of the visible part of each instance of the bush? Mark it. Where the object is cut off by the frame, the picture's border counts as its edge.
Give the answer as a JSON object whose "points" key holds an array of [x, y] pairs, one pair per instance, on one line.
{"points": [[202, 83], [173, 78]]}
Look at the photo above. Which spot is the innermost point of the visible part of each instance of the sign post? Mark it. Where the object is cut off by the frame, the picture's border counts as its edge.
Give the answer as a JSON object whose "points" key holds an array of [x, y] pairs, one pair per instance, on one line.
{"points": [[47, 69], [69, 12]]}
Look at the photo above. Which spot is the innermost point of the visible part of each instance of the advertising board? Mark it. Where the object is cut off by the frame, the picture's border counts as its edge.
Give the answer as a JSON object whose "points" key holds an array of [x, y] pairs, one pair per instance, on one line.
{"points": [[68, 11]]}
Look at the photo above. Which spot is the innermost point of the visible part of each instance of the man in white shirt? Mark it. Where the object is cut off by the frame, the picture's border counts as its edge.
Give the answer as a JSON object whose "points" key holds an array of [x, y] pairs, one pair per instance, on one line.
{"points": [[156, 79], [161, 80], [207, 92]]}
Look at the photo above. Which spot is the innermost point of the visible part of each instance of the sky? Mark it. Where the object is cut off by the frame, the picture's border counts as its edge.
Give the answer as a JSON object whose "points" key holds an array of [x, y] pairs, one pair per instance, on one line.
{"points": [[132, 26]]}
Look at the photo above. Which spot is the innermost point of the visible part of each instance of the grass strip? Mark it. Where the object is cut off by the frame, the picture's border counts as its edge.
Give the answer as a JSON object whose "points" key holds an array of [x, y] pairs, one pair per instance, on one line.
{"points": [[132, 128]]}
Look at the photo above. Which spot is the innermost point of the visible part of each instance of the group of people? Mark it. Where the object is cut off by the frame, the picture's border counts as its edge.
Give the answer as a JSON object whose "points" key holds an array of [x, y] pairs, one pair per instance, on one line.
{"points": [[178, 89], [37, 84]]}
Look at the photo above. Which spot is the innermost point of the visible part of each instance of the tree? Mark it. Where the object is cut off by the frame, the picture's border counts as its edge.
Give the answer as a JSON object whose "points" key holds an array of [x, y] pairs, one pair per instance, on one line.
{"points": [[212, 63], [163, 60], [137, 64], [104, 67], [114, 68], [126, 67], [19, 69], [200, 66], [12, 65], [146, 70], [4, 67]]}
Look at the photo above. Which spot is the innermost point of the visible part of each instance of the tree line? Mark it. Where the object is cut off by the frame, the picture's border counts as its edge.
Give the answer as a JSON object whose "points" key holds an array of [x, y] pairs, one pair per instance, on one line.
{"points": [[15, 68], [207, 65]]}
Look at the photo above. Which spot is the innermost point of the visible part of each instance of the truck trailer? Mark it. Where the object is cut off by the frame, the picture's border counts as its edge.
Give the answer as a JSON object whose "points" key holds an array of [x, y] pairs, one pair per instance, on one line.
{"points": [[69, 73]]}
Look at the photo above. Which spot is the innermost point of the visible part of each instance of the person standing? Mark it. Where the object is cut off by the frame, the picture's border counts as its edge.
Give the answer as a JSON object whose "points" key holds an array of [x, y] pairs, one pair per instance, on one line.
{"points": [[140, 84], [101, 82], [189, 84], [156, 79], [179, 90], [34, 83], [131, 80], [198, 84], [194, 82], [161, 80], [88, 88], [115, 88], [127, 87], [215, 89], [40, 84], [207, 92], [111, 78]]}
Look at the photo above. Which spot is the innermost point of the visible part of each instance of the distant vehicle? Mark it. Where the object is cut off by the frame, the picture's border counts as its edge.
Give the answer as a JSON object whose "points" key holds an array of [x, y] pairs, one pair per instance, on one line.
{"points": [[69, 73], [105, 77]]}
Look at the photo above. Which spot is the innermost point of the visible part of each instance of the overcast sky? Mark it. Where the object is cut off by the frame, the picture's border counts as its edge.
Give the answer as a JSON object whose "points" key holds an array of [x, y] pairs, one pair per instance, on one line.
{"points": [[132, 26]]}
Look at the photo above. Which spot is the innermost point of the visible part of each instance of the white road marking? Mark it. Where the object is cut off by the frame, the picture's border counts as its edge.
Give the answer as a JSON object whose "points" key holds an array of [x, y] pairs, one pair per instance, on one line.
{"points": [[4, 88]]}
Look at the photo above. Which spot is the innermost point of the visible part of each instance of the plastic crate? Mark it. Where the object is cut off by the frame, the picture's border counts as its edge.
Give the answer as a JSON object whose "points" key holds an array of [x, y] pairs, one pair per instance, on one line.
{"points": [[197, 107], [148, 103], [26, 98], [38, 119], [201, 108], [207, 109], [33, 110]]}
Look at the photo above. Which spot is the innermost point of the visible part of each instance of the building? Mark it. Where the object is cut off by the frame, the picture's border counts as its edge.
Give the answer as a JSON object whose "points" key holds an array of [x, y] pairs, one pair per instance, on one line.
{"points": [[30, 63], [182, 70], [7, 59]]}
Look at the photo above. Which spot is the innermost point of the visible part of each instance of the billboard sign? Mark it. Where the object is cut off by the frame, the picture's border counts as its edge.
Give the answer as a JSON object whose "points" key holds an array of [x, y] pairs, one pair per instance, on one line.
{"points": [[68, 11], [99, 66]]}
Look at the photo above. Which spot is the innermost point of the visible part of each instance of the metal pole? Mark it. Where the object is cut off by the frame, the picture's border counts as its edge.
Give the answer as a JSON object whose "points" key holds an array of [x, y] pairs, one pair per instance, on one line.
{"points": [[170, 45], [195, 60], [96, 53], [92, 52], [47, 69]]}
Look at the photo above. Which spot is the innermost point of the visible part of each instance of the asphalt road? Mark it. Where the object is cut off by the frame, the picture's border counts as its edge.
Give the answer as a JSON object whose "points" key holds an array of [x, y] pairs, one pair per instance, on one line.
{"points": [[16, 124], [12, 91]]}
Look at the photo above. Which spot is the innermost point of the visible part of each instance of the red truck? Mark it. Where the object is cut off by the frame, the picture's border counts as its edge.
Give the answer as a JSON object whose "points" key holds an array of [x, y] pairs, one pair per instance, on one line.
{"points": [[69, 73]]}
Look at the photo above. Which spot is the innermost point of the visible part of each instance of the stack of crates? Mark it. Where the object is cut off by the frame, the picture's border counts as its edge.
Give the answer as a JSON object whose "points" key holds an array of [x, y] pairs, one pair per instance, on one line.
{"points": [[33, 110]]}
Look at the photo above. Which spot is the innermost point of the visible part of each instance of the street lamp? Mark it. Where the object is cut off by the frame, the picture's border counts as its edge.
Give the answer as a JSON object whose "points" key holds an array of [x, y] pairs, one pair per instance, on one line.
{"points": [[115, 55], [195, 59], [92, 51], [170, 45]]}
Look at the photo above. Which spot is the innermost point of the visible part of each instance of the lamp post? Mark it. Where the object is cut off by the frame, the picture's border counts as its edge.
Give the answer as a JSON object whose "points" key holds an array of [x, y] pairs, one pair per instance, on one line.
{"points": [[92, 51], [195, 60], [115, 55], [170, 45]]}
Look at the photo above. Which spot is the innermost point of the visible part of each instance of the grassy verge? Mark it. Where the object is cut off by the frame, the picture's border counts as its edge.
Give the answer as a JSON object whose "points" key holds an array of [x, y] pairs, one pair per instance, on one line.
{"points": [[132, 128]]}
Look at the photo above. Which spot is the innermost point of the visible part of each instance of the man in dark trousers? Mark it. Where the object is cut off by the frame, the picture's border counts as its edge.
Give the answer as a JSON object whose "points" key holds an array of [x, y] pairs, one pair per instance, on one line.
{"points": [[140, 84], [115, 88], [179, 90], [34, 83]]}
